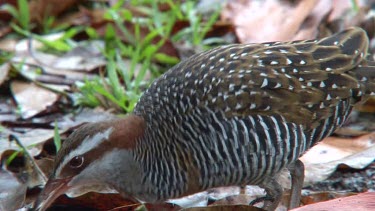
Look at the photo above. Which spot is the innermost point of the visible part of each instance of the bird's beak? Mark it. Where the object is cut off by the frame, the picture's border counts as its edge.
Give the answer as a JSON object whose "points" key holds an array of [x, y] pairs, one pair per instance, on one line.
{"points": [[53, 189]]}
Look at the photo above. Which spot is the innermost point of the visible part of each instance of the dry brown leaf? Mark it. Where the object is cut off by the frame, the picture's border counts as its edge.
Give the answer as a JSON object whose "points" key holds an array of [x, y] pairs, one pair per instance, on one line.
{"points": [[343, 10], [339, 8], [32, 99], [4, 70], [37, 137], [41, 9], [310, 27], [313, 197], [234, 200], [4, 30], [12, 191], [322, 160], [7, 109], [63, 70], [224, 196], [362, 202], [273, 20], [85, 115], [47, 63], [7, 44], [91, 200], [28, 137], [224, 208], [86, 56]]}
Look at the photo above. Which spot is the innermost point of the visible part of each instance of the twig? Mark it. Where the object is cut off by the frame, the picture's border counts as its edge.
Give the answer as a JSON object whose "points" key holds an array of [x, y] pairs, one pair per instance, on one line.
{"points": [[30, 158]]}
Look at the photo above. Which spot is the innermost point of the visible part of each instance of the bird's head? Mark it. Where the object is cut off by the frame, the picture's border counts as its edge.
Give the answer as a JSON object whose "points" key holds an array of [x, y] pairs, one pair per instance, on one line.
{"points": [[95, 156]]}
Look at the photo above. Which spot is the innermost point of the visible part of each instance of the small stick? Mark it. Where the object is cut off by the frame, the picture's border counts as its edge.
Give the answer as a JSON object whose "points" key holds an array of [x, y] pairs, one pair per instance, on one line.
{"points": [[30, 158]]}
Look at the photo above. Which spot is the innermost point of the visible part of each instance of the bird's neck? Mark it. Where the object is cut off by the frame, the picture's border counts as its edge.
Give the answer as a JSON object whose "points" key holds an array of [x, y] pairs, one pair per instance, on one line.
{"points": [[127, 131]]}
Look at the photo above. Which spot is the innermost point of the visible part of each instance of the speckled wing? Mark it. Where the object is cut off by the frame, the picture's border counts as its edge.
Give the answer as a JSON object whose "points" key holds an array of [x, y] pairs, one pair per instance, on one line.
{"points": [[300, 80]]}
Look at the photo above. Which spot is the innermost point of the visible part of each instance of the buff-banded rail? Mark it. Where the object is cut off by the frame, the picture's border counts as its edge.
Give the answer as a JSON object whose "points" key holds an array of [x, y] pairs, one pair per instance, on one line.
{"points": [[235, 115]]}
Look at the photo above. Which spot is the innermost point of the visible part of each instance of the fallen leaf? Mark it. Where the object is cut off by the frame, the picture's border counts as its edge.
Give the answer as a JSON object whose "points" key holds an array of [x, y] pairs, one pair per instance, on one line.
{"points": [[28, 137], [362, 201], [7, 109], [85, 115], [322, 160], [86, 56], [7, 44], [25, 45], [93, 200], [32, 99], [309, 29], [224, 208], [41, 9], [272, 20], [4, 70], [12, 191], [309, 197]]}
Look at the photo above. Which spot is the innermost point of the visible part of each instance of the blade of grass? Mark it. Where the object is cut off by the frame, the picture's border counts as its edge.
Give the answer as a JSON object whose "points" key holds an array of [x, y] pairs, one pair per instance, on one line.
{"points": [[56, 137], [24, 14]]}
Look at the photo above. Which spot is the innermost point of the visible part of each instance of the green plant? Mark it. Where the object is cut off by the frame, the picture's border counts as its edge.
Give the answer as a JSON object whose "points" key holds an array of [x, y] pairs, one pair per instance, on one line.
{"points": [[198, 29], [5, 56], [124, 83], [56, 137], [23, 27], [87, 95], [21, 14], [122, 87], [355, 6], [62, 44], [22, 149], [12, 157]]}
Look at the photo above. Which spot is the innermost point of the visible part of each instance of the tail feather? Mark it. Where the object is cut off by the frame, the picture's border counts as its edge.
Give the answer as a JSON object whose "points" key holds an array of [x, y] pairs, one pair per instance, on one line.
{"points": [[352, 42]]}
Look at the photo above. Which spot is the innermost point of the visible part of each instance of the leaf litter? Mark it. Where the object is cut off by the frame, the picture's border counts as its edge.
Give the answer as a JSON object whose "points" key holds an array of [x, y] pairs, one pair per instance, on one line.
{"points": [[343, 163]]}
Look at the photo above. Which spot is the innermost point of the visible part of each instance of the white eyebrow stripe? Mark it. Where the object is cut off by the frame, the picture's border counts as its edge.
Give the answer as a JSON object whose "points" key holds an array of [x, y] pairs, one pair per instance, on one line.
{"points": [[86, 145]]}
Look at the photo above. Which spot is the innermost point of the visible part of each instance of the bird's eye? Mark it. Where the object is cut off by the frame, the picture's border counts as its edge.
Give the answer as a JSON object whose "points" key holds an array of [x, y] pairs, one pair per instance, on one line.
{"points": [[76, 162]]}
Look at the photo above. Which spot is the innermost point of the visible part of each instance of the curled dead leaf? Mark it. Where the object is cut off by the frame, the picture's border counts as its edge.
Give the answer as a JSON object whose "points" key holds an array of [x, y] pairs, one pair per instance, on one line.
{"points": [[322, 160]]}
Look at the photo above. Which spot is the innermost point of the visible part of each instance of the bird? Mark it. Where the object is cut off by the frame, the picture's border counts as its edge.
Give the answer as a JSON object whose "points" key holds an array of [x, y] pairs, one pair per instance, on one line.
{"points": [[234, 115]]}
